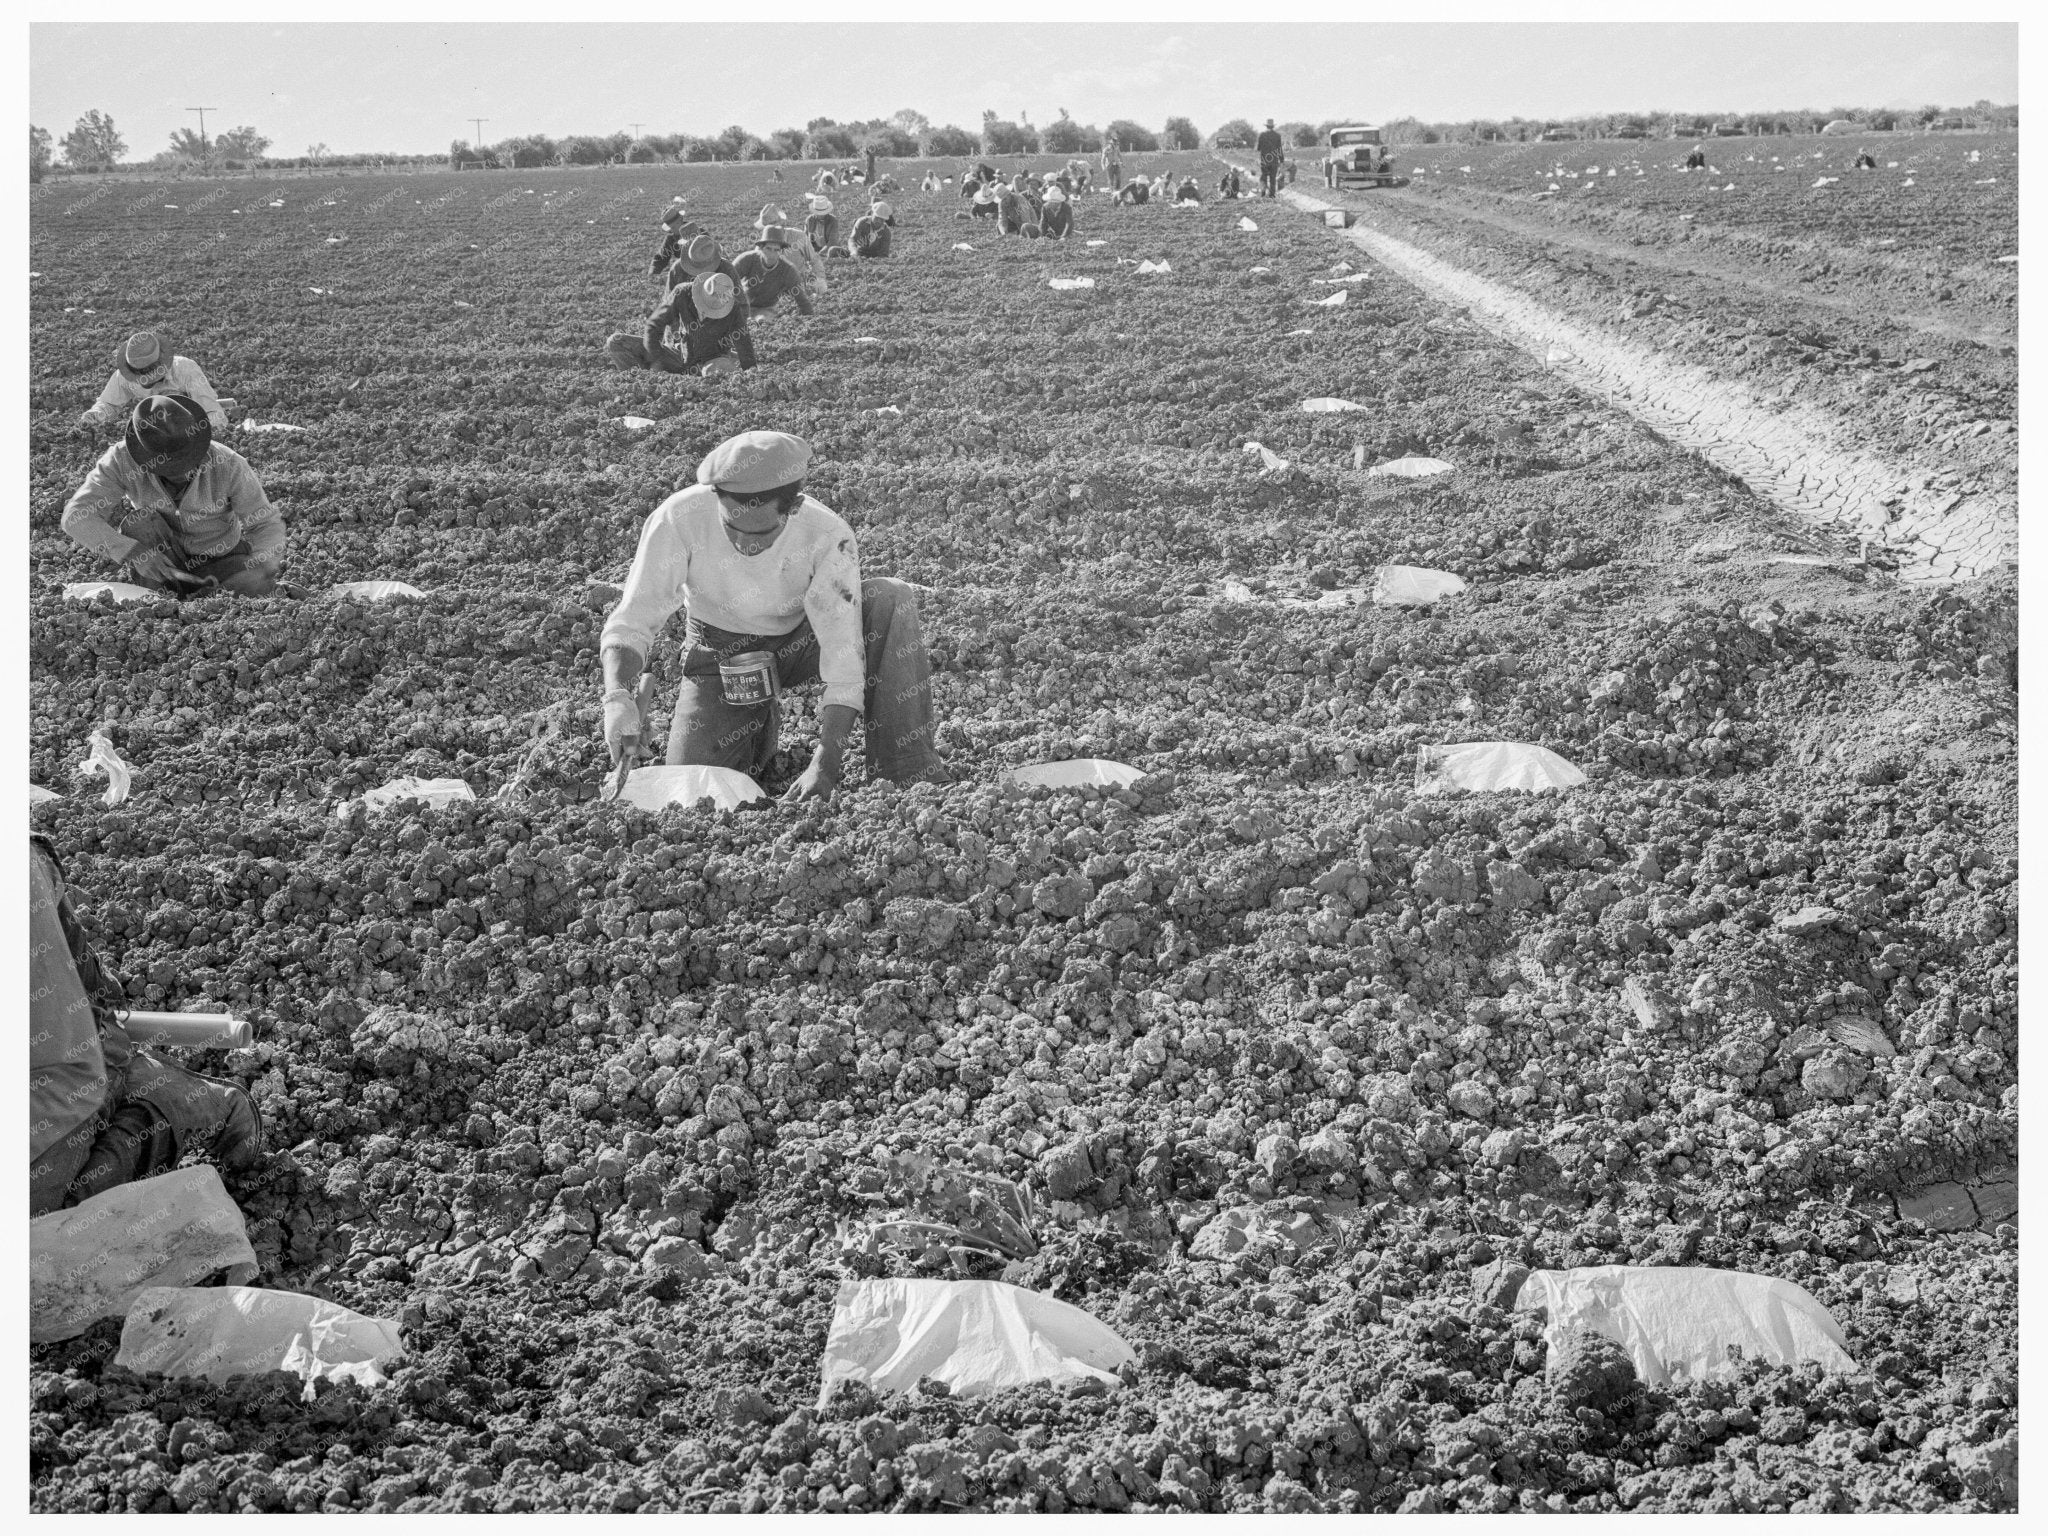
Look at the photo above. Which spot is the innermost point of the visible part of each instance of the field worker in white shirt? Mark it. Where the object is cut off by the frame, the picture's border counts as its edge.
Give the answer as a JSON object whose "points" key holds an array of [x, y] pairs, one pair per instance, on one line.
{"points": [[143, 365], [758, 566], [183, 513]]}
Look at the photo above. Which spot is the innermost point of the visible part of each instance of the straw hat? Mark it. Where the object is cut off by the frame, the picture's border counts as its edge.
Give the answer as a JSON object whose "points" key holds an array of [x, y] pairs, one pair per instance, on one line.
{"points": [[714, 294]]}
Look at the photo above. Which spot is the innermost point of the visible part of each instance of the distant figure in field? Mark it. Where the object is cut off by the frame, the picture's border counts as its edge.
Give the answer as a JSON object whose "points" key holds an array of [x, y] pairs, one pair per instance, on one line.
{"points": [[1271, 149], [824, 181], [1187, 192], [1113, 164], [870, 234], [1057, 222], [823, 225], [930, 182], [1866, 161], [1139, 191], [1697, 160], [1231, 187]]}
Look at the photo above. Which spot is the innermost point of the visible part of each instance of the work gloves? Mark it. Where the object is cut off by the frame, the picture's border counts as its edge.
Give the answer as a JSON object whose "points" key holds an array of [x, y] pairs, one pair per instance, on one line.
{"points": [[622, 724]]}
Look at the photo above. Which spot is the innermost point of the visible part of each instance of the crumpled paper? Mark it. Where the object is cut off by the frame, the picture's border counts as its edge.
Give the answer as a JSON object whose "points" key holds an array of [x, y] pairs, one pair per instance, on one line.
{"points": [[220, 1333], [974, 1335], [106, 760]]}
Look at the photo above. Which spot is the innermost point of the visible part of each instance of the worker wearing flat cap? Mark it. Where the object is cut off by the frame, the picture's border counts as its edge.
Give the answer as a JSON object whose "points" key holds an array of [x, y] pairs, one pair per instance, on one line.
{"points": [[758, 566], [144, 365], [180, 511]]}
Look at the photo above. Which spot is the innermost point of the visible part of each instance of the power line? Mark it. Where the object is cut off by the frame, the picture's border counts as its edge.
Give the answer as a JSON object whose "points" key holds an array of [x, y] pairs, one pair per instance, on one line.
{"points": [[636, 129], [202, 111], [479, 121]]}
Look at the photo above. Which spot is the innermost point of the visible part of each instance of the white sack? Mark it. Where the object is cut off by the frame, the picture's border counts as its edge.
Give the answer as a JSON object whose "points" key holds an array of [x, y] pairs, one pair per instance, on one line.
{"points": [[1413, 467], [253, 425], [1339, 297], [1073, 772], [1155, 266], [1492, 765], [1678, 1324], [224, 1332], [686, 784], [1323, 405], [90, 1260], [121, 591], [1065, 284], [974, 1335], [636, 423], [1413, 586], [1247, 226], [375, 591], [37, 794]]}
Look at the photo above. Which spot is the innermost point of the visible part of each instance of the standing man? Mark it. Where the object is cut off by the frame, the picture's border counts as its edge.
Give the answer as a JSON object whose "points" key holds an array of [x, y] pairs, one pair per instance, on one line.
{"points": [[1113, 163], [871, 165], [1270, 150], [758, 566], [183, 514]]}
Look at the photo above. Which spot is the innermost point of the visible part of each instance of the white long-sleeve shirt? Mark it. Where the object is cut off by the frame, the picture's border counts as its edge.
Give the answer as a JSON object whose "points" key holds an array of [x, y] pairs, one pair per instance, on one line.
{"points": [[223, 505], [686, 559], [183, 377]]}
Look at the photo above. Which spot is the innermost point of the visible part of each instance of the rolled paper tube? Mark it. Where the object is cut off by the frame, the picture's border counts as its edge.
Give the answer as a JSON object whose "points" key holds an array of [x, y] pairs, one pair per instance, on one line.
{"points": [[195, 1029]]}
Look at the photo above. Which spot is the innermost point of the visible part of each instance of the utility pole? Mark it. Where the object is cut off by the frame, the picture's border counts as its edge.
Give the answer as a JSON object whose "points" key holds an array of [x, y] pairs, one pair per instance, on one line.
{"points": [[636, 129], [479, 121], [202, 111]]}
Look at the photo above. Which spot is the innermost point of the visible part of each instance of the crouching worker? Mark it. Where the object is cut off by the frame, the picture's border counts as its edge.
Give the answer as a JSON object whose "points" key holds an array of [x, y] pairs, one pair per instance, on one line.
{"points": [[181, 512], [102, 1110], [144, 365], [770, 269], [871, 232], [770, 581], [1057, 222], [711, 320]]}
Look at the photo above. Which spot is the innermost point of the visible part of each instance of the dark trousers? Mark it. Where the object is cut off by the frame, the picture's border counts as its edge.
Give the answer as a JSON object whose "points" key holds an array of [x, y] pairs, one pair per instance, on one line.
{"points": [[698, 349], [1269, 178], [897, 704]]}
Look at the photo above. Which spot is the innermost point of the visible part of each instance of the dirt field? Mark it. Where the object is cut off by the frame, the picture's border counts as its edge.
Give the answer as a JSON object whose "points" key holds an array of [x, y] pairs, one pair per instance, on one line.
{"points": [[1301, 1064]]}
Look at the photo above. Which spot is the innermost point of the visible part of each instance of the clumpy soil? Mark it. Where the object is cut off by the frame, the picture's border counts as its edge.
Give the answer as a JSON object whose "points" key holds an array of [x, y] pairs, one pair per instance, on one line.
{"points": [[1302, 1068]]}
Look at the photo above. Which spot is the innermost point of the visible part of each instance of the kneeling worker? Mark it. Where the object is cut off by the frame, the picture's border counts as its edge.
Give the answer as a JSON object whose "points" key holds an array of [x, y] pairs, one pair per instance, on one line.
{"points": [[144, 365], [713, 322], [102, 1110], [770, 581], [871, 232], [183, 513], [767, 271]]}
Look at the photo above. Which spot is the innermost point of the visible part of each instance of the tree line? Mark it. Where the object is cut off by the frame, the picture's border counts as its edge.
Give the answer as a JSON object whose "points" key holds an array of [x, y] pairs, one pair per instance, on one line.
{"points": [[94, 144]]}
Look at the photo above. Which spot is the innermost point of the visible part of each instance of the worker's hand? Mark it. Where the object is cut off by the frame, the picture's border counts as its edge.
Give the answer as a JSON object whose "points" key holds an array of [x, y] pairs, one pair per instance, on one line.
{"points": [[157, 568], [814, 783], [622, 725]]}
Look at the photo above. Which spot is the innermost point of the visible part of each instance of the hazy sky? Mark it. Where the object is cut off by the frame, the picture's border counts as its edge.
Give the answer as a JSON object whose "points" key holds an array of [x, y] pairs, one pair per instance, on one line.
{"points": [[409, 88]]}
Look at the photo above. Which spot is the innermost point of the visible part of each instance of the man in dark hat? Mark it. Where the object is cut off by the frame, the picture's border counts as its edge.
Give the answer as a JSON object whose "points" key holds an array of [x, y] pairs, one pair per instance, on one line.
{"points": [[103, 1110], [678, 229], [182, 512], [1271, 149], [758, 566]]}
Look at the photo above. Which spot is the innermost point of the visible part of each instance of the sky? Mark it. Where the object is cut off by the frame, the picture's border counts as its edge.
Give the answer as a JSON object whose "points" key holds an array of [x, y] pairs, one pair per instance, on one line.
{"points": [[409, 88]]}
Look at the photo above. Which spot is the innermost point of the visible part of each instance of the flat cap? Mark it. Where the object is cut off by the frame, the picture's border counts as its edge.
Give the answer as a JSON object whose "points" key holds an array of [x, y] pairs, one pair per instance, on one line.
{"points": [[755, 461]]}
